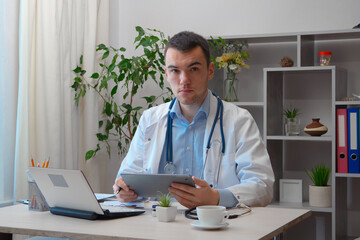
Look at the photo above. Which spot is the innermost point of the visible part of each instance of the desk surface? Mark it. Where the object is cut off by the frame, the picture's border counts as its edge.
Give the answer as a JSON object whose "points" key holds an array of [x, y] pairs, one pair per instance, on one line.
{"points": [[262, 223]]}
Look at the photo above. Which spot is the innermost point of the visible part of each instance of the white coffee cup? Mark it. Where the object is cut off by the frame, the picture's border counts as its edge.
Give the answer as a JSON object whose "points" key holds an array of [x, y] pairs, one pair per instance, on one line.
{"points": [[212, 215]]}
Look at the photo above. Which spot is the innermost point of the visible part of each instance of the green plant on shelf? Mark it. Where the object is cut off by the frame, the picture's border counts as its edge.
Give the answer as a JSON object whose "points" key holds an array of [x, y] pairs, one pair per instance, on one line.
{"points": [[319, 175], [291, 112]]}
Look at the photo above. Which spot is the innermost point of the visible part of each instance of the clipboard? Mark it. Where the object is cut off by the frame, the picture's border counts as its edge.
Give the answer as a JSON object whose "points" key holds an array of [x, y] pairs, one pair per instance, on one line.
{"points": [[150, 185]]}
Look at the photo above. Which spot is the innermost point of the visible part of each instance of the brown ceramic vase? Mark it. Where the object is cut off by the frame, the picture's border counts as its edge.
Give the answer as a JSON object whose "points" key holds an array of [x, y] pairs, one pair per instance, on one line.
{"points": [[315, 128]]}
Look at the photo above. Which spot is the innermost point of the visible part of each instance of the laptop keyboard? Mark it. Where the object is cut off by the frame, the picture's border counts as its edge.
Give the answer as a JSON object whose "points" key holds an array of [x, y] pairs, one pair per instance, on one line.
{"points": [[115, 209]]}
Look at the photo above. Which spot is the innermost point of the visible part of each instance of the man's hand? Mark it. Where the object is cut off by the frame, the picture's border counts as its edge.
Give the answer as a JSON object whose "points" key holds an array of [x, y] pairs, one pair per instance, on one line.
{"points": [[125, 195], [191, 197]]}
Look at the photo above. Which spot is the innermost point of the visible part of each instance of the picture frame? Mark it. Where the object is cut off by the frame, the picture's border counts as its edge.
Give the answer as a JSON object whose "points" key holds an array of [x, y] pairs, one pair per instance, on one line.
{"points": [[291, 190]]}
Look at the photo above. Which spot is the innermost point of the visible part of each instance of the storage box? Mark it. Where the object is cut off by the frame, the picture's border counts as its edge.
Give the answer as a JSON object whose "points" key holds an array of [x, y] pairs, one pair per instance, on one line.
{"points": [[291, 190]]}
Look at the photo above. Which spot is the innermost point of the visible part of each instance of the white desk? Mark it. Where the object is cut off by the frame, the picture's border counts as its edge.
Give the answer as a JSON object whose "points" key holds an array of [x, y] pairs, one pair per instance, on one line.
{"points": [[262, 223]]}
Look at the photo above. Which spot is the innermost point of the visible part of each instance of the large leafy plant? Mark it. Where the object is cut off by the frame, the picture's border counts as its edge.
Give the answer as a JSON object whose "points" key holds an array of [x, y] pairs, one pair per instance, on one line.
{"points": [[118, 81]]}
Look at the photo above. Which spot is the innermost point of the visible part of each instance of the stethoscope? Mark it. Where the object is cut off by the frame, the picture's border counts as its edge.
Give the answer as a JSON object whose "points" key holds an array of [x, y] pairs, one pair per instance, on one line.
{"points": [[243, 209], [170, 167]]}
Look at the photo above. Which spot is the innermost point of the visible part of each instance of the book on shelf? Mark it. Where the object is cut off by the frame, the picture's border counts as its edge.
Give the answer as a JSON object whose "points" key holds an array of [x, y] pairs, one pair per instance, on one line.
{"points": [[353, 140], [341, 141]]}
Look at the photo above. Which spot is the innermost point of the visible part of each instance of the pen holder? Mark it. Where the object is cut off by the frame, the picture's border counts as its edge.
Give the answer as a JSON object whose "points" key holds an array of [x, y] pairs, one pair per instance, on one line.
{"points": [[37, 201]]}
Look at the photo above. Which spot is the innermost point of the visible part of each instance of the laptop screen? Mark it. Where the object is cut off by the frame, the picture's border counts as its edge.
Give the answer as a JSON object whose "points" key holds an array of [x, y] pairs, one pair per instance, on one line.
{"points": [[66, 189]]}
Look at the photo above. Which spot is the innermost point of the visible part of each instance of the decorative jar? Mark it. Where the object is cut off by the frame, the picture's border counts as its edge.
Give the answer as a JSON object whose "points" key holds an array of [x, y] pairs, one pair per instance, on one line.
{"points": [[325, 57], [315, 128]]}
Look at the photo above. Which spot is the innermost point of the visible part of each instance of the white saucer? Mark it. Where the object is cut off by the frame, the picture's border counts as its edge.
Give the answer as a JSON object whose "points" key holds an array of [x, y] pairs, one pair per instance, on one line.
{"points": [[197, 224]]}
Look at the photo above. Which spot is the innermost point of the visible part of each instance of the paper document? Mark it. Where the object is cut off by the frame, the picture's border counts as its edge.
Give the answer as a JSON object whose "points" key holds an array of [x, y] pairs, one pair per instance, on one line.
{"points": [[119, 204], [103, 196], [238, 211]]}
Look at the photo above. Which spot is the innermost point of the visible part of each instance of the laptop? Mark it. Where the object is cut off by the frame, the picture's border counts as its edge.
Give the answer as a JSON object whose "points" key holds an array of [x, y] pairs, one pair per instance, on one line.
{"points": [[68, 193]]}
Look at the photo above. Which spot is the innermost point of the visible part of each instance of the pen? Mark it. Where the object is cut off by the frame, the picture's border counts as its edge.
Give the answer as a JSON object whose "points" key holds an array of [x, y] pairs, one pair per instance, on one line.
{"points": [[118, 191], [23, 201]]}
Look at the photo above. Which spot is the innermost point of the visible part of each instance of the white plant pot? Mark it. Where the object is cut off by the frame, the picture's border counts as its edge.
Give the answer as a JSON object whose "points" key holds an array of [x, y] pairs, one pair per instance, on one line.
{"points": [[166, 214], [320, 196]]}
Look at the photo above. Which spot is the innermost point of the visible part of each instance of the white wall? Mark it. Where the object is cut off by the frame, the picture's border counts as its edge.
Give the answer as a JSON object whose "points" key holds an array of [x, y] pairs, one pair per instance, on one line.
{"points": [[230, 17], [225, 17]]}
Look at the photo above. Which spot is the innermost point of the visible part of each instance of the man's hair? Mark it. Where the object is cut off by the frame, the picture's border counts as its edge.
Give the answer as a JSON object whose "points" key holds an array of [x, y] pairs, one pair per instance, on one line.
{"points": [[185, 41]]}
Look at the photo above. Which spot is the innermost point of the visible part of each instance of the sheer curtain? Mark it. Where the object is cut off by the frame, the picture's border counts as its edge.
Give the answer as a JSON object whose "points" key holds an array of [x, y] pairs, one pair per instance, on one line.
{"points": [[9, 22], [43, 121]]}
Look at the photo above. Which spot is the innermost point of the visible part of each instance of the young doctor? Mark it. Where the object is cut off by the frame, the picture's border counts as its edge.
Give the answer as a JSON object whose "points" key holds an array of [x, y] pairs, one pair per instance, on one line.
{"points": [[215, 141]]}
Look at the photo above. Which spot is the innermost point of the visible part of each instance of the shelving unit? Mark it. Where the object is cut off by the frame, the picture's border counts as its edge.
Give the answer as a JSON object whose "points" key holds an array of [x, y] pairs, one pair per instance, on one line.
{"points": [[267, 88]]}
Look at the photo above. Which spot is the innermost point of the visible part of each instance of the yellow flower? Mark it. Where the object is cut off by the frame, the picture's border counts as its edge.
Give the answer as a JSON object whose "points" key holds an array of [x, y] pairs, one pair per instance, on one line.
{"points": [[233, 60]]}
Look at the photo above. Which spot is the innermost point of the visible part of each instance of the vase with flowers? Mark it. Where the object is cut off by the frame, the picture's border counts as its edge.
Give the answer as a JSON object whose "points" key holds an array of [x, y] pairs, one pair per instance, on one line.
{"points": [[233, 58]]}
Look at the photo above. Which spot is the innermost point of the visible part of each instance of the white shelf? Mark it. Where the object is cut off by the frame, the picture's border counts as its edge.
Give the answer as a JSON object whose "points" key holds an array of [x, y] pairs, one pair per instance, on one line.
{"points": [[292, 36], [249, 104], [293, 69], [303, 205], [300, 138], [267, 88], [348, 175], [339, 103]]}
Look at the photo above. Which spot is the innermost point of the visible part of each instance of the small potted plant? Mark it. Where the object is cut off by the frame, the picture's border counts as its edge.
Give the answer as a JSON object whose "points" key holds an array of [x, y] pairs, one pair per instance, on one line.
{"points": [[320, 192], [292, 122], [164, 211]]}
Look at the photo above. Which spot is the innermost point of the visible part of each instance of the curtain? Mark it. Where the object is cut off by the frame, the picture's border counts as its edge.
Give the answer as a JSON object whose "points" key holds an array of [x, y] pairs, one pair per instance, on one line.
{"points": [[53, 34], [9, 52]]}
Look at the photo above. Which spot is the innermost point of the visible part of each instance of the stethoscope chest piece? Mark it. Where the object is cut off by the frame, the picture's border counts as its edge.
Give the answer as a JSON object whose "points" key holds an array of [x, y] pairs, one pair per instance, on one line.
{"points": [[169, 168]]}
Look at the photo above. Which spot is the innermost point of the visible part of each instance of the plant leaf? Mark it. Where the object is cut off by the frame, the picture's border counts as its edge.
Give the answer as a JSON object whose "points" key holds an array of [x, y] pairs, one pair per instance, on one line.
{"points": [[89, 154], [95, 76], [114, 90], [105, 55]]}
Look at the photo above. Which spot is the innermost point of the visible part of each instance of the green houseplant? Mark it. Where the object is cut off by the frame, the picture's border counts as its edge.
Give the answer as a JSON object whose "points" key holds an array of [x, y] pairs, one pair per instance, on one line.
{"points": [[164, 200], [320, 191], [164, 211], [319, 175], [292, 122], [291, 112], [117, 83]]}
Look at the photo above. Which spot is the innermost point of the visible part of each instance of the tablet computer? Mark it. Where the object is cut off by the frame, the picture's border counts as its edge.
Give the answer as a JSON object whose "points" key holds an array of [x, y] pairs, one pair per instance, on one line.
{"points": [[149, 185]]}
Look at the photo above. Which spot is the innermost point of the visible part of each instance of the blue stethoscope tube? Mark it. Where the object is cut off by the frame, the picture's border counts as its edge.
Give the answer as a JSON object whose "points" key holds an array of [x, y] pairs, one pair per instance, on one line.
{"points": [[170, 167]]}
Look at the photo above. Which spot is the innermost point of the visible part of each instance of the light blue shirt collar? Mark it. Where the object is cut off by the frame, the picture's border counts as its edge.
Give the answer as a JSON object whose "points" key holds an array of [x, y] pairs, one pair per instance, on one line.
{"points": [[203, 111]]}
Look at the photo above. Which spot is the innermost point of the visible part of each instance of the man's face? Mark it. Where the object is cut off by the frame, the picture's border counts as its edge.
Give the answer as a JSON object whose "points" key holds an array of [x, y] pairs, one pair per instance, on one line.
{"points": [[188, 75]]}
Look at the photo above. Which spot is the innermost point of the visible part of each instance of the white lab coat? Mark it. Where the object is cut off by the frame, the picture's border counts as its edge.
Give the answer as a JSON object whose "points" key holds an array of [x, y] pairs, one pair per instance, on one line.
{"points": [[245, 167]]}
